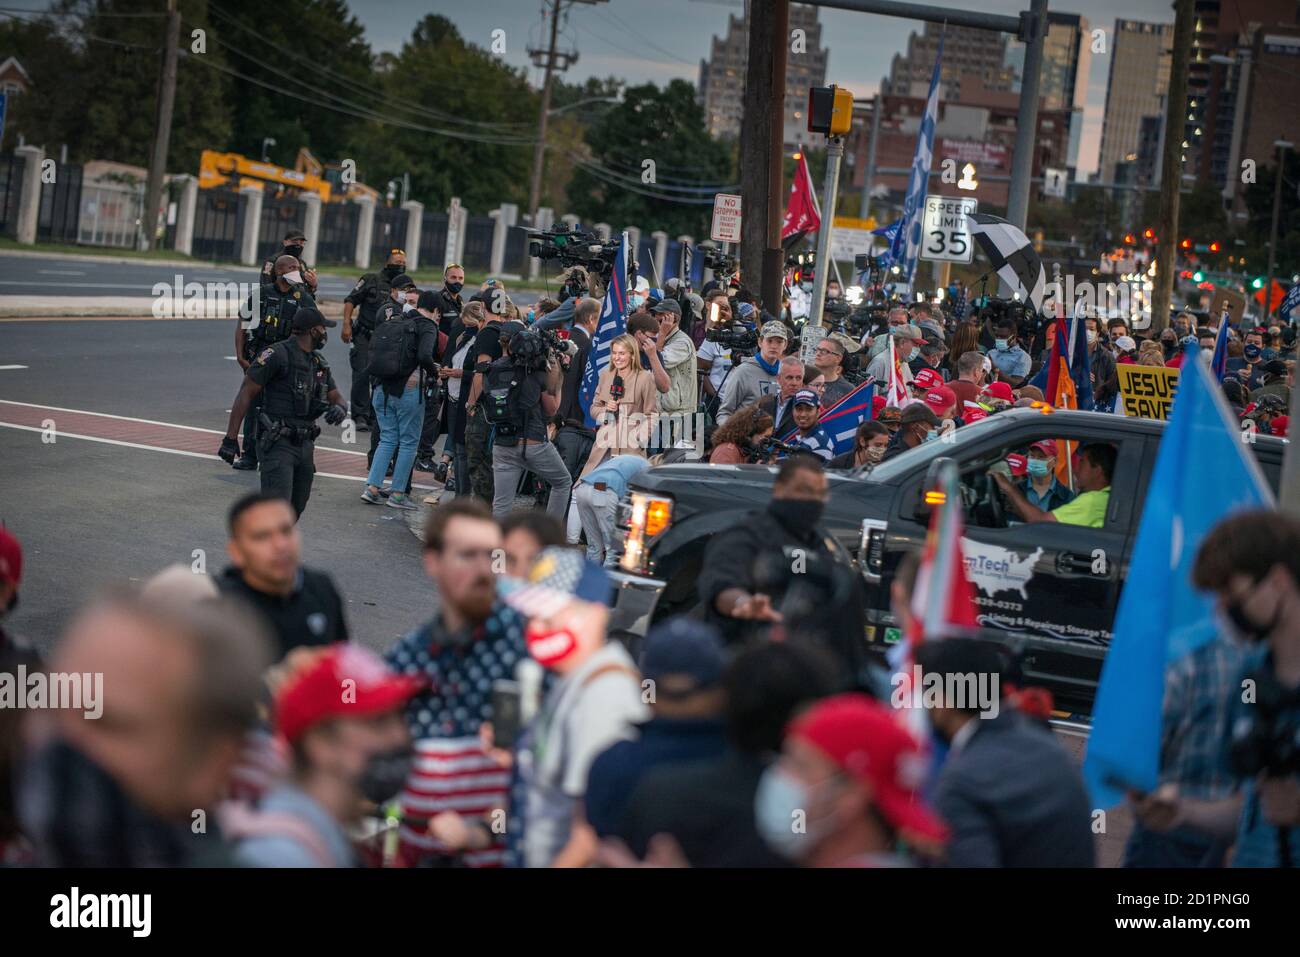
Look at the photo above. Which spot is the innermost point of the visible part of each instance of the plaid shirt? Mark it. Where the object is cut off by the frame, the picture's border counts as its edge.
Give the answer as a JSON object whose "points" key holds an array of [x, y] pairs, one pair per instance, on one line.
{"points": [[1200, 690]]}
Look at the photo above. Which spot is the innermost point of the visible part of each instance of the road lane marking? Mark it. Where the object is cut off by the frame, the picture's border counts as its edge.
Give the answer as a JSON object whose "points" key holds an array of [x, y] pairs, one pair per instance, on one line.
{"points": [[128, 418], [61, 272], [7, 368], [193, 455]]}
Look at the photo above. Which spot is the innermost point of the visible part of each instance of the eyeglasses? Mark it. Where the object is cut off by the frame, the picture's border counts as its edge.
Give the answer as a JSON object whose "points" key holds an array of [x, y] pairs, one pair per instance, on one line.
{"points": [[825, 352]]}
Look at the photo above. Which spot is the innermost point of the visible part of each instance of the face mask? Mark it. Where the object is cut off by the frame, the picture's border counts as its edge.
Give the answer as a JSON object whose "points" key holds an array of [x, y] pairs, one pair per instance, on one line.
{"points": [[295, 250], [797, 515], [1251, 352], [393, 270], [931, 435], [385, 774], [1003, 344], [912, 355], [455, 287], [1092, 337], [636, 302], [1038, 467], [875, 453], [551, 648], [1208, 353], [318, 342], [1248, 630], [779, 802]]}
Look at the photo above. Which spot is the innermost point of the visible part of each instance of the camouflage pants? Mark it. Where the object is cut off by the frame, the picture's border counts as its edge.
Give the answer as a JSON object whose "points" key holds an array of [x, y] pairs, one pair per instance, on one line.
{"points": [[477, 432]]}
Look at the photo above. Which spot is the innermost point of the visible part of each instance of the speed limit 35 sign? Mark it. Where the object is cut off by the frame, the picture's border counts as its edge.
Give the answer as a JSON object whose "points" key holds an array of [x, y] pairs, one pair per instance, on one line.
{"points": [[944, 234]]}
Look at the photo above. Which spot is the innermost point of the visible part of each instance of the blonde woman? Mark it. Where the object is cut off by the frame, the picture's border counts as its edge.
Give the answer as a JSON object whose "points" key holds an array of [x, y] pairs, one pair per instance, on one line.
{"points": [[625, 401]]}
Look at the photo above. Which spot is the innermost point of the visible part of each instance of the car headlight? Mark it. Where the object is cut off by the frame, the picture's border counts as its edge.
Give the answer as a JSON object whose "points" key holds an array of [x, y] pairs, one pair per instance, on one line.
{"points": [[871, 549], [649, 516]]}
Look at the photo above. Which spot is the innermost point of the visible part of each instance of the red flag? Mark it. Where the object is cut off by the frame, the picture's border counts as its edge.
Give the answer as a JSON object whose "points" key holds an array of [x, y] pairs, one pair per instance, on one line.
{"points": [[802, 216]]}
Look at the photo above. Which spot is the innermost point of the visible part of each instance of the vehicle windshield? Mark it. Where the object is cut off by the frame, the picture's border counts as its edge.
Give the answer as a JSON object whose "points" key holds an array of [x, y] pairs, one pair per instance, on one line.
{"points": [[923, 453]]}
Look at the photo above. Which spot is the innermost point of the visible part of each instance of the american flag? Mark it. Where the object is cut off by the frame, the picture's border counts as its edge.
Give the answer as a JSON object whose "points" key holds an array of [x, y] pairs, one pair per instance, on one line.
{"points": [[613, 322], [451, 774]]}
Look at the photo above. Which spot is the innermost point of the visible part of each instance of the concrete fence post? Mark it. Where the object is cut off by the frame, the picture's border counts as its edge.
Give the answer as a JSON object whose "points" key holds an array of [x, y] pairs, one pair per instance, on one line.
{"points": [[185, 210], [311, 211], [29, 201], [252, 225], [414, 223], [365, 232]]}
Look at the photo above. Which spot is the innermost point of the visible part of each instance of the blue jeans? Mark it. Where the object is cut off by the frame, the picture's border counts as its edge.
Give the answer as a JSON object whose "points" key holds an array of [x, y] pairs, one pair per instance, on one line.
{"points": [[399, 429]]}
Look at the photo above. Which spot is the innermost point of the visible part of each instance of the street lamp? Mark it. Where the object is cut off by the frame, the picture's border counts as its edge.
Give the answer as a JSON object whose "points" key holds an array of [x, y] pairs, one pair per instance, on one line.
{"points": [[267, 143]]}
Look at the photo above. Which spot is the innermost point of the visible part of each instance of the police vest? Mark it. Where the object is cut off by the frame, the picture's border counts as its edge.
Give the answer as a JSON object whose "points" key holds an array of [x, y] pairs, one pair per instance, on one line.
{"points": [[375, 290], [302, 391], [277, 311]]}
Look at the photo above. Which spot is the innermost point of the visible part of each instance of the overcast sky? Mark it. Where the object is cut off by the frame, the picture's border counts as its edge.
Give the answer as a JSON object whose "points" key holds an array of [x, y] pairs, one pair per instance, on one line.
{"points": [[657, 40]]}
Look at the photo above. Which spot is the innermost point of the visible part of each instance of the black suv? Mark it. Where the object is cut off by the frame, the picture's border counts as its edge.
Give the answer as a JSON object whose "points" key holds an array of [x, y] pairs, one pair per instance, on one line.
{"points": [[1047, 590]]}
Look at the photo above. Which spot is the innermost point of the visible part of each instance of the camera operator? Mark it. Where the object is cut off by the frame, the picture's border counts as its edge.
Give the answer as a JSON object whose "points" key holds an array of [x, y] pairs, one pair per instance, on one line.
{"points": [[747, 585], [531, 378], [740, 439], [713, 358], [1251, 562], [757, 376], [574, 439]]}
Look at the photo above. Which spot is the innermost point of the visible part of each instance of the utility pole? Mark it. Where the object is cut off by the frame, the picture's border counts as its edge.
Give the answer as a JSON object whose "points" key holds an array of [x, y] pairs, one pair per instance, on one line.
{"points": [[552, 60], [762, 147], [1022, 161], [834, 155], [1282, 147], [162, 127], [864, 208], [1171, 167]]}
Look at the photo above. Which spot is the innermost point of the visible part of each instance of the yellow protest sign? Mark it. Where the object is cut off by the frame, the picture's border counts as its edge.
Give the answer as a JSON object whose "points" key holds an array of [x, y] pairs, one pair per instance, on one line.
{"points": [[1147, 391]]}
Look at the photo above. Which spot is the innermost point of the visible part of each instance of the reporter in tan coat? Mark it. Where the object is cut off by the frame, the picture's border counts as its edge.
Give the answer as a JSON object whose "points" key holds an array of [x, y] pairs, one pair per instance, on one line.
{"points": [[633, 411]]}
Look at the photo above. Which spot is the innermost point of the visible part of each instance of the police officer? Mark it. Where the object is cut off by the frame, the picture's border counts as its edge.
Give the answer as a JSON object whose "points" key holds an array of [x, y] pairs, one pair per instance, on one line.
{"points": [[444, 307], [369, 294], [287, 292], [297, 386], [294, 243]]}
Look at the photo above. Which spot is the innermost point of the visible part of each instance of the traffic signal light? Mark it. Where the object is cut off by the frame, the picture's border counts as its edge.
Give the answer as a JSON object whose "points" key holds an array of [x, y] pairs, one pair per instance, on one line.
{"points": [[1198, 276], [830, 110], [1257, 282], [1185, 244], [1149, 234], [1128, 239], [1214, 247]]}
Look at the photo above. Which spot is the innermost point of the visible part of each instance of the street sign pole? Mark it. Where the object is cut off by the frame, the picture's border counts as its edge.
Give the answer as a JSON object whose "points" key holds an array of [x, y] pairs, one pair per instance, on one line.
{"points": [[834, 155]]}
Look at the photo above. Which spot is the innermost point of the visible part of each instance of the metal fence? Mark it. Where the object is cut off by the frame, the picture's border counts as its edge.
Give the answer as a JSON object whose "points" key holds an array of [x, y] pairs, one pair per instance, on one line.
{"points": [[279, 214], [433, 238], [60, 206], [337, 243], [478, 242], [389, 232], [218, 223], [11, 188], [516, 258], [110, 215]]}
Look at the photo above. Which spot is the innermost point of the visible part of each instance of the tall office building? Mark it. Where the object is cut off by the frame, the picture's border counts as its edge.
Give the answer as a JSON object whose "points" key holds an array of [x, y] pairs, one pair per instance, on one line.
{"points": [[1135, 88], [966, 52], [1067, 57], [722, 75]]}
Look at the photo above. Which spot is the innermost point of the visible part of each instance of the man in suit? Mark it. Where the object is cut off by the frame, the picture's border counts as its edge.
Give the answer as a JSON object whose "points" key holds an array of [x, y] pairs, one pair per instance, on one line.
{"points": [[780, 405], [1009, 792]]}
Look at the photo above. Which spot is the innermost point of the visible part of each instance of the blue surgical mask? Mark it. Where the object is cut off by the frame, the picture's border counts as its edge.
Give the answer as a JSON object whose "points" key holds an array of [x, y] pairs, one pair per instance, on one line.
{"points": [[1038, 467], [636, 302], [931, 435], [1003, 344]]}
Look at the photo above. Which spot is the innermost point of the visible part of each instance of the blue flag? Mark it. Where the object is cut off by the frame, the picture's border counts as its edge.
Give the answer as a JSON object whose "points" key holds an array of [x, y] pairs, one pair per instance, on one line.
{"points": [[906, 246], [1219, 364], [1075, 346], [613, 323], [1283, 310], [1203, 473]]}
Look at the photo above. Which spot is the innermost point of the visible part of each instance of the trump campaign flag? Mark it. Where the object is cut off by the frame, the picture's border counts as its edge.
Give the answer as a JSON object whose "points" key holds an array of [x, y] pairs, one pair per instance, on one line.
{"points": [[1283, 311], [906, 246], [802, 215], [841, 421], [613, 322], [1203, 473]]}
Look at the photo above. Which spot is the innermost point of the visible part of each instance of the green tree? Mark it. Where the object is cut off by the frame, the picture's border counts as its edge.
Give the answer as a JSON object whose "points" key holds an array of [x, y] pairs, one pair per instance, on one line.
{"points": [[665, 126]]}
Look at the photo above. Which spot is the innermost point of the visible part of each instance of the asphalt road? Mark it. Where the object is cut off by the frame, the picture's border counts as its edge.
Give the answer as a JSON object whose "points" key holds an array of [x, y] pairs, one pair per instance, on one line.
{"points": [[81, 278], [91, 514]]}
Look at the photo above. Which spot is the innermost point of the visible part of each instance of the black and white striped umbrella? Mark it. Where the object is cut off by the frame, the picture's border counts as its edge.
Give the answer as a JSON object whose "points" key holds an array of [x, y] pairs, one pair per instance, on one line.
{"points": [[1012, 255]]}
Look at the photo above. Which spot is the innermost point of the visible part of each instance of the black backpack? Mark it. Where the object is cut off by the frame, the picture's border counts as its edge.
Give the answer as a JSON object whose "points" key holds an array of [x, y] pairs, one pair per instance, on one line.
{"points": [[500, 399], [393, 348]]}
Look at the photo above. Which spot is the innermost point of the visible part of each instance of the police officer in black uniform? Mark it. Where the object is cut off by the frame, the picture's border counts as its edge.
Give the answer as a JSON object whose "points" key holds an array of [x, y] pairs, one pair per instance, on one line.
{"points": [[444, 307], [294, 243], [298, 387], [278, 300], [368, 295]]}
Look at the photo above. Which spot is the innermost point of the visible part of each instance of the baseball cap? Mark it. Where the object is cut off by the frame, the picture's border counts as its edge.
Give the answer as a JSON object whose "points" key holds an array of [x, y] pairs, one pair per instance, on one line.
{"points": [[642, 285], [745, 311], [1019, 463], [309, 318], [681, 656], [927, 379], [1275, 367], [889, 415], [316, 692], [940, 399], [773, 329], [668, 305], [402, 281], [999, 390], [806, 397], [1279, 425], [696, 304], [1046, 446], [11, 558], [848, 342], [969, 415], [559, 576], [868, 744]]}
